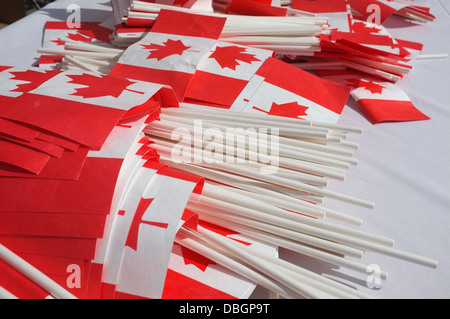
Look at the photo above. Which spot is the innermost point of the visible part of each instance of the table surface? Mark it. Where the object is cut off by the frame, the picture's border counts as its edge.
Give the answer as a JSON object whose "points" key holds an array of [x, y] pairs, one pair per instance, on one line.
{"points": [[404, 168]]}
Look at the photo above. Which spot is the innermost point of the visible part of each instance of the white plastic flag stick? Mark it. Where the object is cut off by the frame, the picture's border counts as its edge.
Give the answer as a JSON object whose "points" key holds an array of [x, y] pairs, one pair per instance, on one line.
{"points": [[78, 45], [93, 55], [276, 119], [296, 175], [291, 245], [301, 167], [78, 63], [314, 279], [300, 288], [284, 201], [256, 174], [302, 283], [432, 56], [239, 117], [298, 132], [257, 40], [370, 70], [340, 238], [295, 152], [240, 197], [206, 159], [194, 242], [307, 239], [315, 229], [34, 274]]}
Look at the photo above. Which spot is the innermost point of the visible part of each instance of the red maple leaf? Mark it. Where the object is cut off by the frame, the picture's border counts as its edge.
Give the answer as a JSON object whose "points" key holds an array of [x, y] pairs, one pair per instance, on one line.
{"points": [[133, 232], [228, 56], [361, 27], [292, 109], [199, 261], [170, 47], [99, 85], [35, 79], [74, 37], [367, 85]]}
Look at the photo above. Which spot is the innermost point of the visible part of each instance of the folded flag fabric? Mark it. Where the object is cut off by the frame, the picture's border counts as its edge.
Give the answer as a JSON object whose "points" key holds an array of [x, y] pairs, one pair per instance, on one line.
{"points": [[76, 209], [381, 101], [170, 52], [281, 89]]}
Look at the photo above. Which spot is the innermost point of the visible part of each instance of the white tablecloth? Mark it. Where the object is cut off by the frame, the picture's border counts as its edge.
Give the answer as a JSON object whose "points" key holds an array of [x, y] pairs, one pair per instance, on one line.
{"points": [[403, 167]]}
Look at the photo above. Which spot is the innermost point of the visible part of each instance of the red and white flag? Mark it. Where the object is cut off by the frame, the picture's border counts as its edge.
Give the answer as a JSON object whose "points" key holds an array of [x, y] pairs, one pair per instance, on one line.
{"points": [[170, 52], [224, 72], [281, 89], [380, 101]]}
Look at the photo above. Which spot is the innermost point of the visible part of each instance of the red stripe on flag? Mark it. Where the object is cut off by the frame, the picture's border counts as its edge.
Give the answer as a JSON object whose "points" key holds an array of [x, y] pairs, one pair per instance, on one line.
{"points": [[179, 81], [320, 6], [388, 110], [195, 25], [181, 287], [221, 90], [323, 92]]}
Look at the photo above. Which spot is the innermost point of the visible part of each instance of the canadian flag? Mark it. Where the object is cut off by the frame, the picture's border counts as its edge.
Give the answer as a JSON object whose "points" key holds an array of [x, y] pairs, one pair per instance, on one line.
{"points": [[170, 52], [224, 72], [279, 88], [144, 226], [380, 101]]}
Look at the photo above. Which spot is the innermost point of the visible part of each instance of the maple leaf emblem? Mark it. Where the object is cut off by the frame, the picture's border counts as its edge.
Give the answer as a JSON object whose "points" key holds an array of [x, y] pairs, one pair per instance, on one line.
{"points": [[228, 56], [74, 37], [292, 109], [168, 48], [34, 79], [97, 86], [199, 261], [133, 232], [366, 85]]}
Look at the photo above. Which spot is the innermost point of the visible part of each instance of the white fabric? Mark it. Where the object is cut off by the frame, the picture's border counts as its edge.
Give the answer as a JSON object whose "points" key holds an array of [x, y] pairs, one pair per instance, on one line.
{"points": [[403, 167]]}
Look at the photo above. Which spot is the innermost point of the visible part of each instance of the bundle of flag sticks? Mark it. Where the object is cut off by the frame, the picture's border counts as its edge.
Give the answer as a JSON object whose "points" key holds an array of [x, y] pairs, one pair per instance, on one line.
{"points": [[260, 133]]}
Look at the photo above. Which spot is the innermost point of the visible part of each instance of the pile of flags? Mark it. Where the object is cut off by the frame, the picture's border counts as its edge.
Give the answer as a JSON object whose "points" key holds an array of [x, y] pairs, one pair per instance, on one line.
{"points": [[92, 203]]}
